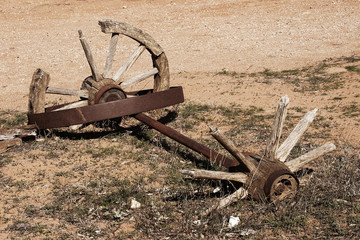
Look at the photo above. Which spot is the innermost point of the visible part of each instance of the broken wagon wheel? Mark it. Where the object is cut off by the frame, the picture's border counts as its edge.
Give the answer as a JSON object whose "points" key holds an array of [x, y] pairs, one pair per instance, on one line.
{"points": [[101, 88], [107, 87], [269, 177], [97, 81]]}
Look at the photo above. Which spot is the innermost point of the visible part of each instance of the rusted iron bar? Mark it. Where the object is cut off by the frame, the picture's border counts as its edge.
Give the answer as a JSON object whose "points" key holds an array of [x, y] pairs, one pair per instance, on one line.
{"points": [[197, 147], [109, 110]]}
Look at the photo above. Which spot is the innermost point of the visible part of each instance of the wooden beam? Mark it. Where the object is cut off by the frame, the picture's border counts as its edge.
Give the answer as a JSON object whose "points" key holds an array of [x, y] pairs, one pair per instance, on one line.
{"points": [[239, 194], [128, 64], [20, 132], [284, 150], [82, 103], [216, 175], [232, 149], [273, 142], [111, 54], [95, 73], [110, 26], [70, 92], [39, 83], [138, 78], [298, 163]]}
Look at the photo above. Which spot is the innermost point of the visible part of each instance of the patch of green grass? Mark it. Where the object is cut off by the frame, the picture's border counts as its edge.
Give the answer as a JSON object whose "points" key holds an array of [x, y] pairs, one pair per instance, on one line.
{"points": [[51, 155], [351, 110], [353, 68], [102, 152], [194, 110], [299, 109], [321, 83], [269, 73], [307, 79], [5, 160], [66, 174], [26, 228], [21, 185], [10, 118], [294, 223], [226, 72]]}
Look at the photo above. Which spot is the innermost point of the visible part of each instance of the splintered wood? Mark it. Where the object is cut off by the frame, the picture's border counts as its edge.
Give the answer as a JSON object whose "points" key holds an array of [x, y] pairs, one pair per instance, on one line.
{"points": [[39, 83], [269, 177]]}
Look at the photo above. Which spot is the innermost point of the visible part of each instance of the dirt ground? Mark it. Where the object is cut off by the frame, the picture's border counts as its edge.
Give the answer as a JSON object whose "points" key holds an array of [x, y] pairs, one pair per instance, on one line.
{"points": [[197, 36], [221, 52]]}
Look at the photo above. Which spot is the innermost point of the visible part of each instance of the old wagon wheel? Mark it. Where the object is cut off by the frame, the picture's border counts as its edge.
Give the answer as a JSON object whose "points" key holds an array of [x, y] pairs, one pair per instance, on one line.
{"points": [[96, 82], [105, 87]]}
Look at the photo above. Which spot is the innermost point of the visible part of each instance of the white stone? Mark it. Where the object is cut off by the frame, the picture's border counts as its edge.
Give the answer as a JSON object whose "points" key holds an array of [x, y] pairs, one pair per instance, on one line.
{"points": [[247, 232], [197, 222], [233, 221], [135, 204]]}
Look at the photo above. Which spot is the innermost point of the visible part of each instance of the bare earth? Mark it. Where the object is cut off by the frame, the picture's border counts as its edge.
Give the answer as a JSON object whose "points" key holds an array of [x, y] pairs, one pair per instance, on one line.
{"points": [[201, 38], [197, 36]]}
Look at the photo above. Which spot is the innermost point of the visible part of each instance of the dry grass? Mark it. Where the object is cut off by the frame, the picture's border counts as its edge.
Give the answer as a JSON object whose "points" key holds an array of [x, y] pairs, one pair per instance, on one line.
{"points": [[78, 185]]}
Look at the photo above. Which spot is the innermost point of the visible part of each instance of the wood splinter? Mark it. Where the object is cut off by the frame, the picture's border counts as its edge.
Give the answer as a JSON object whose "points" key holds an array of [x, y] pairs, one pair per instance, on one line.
{"points": [[268, 177]]}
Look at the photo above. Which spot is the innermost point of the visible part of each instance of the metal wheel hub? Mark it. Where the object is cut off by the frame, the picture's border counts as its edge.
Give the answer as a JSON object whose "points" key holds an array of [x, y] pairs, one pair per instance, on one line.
{"points": [[281, 185], [109, 93]]}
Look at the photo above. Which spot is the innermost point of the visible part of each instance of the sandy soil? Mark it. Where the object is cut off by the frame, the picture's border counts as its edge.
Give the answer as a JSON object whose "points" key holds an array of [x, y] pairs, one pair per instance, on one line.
{"points": [[200, 38]]}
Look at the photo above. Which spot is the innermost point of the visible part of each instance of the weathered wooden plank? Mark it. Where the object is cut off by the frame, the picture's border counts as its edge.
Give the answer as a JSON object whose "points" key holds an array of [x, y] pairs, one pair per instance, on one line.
{"points": [[232, 149], [94, 70], [239, 194], [216, 175], [111, 54], [273, 142], [298, 163], [82, 103], [39, 83], [110, 26], [285, 148], [70, 92], [11, 133], [138, 78], [129, 63]]}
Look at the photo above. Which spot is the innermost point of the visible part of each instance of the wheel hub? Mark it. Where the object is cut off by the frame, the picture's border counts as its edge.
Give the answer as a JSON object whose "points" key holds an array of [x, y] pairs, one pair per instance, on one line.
{"points": [[281, 185], [109, 93]]}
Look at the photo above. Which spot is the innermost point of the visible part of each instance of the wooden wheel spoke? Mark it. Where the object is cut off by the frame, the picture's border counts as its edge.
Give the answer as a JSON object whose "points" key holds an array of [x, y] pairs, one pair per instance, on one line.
{"points": [[284, 150], [70, 92], [89, 57], [138, 78], [205, 174], [298, 163], [111, 54], [81, 103], [128, 64]]}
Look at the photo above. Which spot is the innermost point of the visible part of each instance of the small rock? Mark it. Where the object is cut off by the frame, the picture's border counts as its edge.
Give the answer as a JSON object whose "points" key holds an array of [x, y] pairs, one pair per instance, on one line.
{"points": [[197, 222], [216, 190], [233, 221], [134, 204], [247, 232]]}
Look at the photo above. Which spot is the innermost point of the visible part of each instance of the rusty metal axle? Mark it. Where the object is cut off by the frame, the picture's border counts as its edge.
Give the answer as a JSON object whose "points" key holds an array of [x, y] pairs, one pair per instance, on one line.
{"points": [[188, 142]]}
